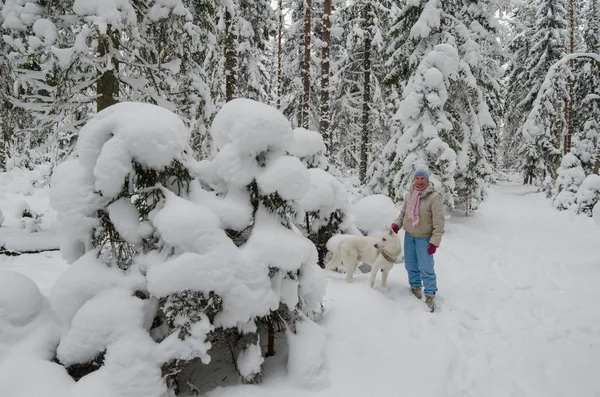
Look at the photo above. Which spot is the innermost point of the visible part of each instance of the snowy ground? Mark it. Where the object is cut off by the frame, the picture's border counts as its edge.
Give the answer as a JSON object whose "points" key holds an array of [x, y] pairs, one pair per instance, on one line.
{"points": [[518, 312]]}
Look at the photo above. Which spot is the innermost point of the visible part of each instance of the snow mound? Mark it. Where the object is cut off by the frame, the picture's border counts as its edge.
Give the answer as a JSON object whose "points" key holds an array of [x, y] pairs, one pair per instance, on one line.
{"points": [[286, 176], [307, 355], [106, 317], [87, 277], [20, 299], [373, 213], [306, 143], [596, 213], [249, 361], [326, 194], [251, 126]]}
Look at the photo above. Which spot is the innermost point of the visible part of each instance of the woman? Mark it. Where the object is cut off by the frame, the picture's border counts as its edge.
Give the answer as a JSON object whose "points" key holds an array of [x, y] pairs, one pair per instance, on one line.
{"points": [[422, 218]]}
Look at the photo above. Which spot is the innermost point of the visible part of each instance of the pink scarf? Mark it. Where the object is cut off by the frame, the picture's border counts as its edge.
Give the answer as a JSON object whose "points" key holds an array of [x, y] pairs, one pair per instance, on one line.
{"points": [[413, 209]]}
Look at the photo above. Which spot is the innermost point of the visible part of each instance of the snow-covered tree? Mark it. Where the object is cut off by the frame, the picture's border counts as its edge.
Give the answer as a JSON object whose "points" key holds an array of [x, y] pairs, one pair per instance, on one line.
{"points": [[420, 143], [541, 138], [362, 115], [517, 99], [467, 27], [327, 203], [154, 269], [257, 190]]}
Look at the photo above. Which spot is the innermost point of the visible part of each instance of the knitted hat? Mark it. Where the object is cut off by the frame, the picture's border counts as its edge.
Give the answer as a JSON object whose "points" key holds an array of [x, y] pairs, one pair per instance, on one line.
{"points": [[421, 172]]}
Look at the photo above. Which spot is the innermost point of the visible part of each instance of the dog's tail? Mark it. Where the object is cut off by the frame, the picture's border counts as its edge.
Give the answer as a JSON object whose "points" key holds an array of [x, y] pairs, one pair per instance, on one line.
{"points": [[336, 259]]}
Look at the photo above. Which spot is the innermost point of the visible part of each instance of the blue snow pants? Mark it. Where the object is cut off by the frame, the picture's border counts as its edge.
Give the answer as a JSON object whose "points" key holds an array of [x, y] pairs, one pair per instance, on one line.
{"points": [[419, 264]]}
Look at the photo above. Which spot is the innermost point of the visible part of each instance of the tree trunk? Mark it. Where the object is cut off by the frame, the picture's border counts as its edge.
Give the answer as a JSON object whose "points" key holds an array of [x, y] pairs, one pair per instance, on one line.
{"points": [[279, 55], [306, 68], [364, 141], [270, 337], [107, 86], [325, 121], [230, 57], [570, 127]]}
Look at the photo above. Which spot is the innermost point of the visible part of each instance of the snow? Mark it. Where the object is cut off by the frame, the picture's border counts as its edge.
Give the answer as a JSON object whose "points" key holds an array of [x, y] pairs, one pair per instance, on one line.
{"points": [[596, 213], [29, 332], [517, 316], [125, 218], [107, 317], [374, 213], [326, 194], [286, 176], [86, 277], [251, 127], [195, 345], [250, 360], [106, 12], [306, 364], [149, 134], [306, 143], [20, 299]]}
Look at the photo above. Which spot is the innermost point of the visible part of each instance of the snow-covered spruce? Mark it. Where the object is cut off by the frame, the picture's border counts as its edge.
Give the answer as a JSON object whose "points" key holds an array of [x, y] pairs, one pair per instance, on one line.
{"points": [[259, 190], [326, 203], [419, 144], [588, 195], [154, 265]]}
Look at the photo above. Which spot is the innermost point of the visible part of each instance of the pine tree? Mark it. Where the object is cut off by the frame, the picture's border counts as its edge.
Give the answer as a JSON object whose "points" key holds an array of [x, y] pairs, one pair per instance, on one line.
{"points": [[467, 28], [543, 143], [361, 111], [517, 104]]}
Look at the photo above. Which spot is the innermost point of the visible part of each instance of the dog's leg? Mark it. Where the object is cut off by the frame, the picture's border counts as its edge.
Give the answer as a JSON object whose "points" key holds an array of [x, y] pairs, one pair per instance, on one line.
{"points": [[384, 275], [336, 259], [350, 269], [374, 269]]}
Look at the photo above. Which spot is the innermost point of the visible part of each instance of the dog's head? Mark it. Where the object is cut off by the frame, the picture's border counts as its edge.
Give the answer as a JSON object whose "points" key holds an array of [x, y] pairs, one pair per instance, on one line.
{"points": [[390, 242]]}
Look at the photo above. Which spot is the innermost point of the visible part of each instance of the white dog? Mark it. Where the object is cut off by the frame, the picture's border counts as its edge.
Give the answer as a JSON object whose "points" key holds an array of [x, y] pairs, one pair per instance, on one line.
{"points": [[379, 252]]}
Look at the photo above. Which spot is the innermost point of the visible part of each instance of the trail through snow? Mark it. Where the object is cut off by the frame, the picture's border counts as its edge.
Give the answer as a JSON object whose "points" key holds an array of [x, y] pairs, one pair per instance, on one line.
{"points": [[518, 313], [518, 296]]}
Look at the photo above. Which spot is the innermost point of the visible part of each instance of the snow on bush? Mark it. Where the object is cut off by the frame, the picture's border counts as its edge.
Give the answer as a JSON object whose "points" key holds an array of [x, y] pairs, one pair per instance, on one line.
{"points": [[374, 213], [309, 147], [128, 157], [162, 263], [588, 195], [570, 176], [249, 362], [326, 201]]}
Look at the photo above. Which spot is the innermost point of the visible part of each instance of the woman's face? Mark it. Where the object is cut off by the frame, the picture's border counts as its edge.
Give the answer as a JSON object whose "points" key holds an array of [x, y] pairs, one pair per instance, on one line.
{"points": [[421, 182]]}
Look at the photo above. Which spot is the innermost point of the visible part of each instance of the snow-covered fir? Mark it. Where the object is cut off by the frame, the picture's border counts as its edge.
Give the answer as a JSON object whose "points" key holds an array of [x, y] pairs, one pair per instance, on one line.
{"points": [[175, 174]]}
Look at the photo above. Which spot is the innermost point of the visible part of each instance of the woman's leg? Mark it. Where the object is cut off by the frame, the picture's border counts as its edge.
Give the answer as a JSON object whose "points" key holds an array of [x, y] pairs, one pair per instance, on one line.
{"points": [[411, 261], [426, 265]]}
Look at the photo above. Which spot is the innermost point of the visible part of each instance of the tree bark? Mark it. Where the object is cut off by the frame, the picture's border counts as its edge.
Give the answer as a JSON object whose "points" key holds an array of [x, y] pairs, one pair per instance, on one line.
{"points": [[570, 127], [365, 132], [230, 57], [306, 69], [325, 121], [280, 55], [107, 86]]}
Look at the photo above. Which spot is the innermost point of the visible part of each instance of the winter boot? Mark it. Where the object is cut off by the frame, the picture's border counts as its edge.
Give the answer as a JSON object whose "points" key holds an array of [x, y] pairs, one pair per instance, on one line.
{"points": [[430, 302], [417, 291]]}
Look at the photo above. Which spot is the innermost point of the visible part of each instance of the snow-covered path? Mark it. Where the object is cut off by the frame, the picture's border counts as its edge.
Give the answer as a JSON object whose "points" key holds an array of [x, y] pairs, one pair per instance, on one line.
{"points": [[519, 317], [518, 313]]}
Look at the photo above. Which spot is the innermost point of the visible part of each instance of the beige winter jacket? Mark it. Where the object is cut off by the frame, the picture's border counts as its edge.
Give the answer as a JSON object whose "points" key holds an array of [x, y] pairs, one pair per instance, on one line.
{"points": [[431, 216]]}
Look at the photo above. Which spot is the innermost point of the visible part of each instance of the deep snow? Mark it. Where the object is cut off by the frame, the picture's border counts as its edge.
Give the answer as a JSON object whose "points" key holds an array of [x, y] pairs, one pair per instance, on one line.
{"points": [[517, 312]]}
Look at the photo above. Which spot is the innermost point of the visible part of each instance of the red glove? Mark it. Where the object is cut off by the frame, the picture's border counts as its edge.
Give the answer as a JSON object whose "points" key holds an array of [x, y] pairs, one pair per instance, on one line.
{"points": [[395, 228], [431, 249]]}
